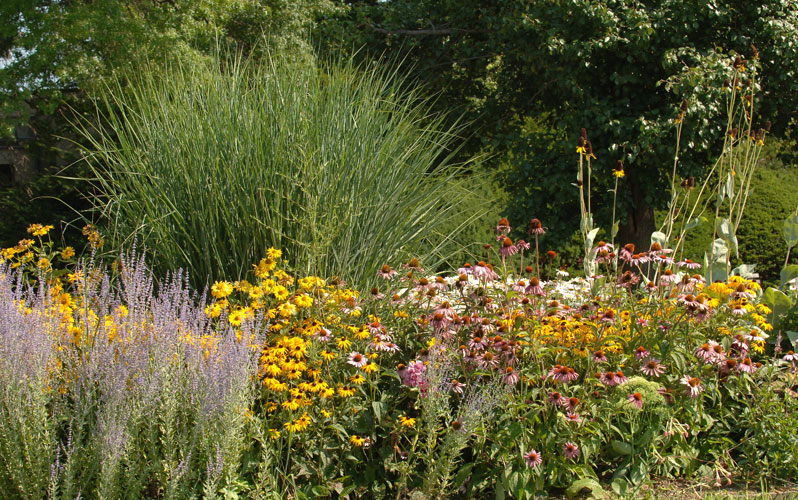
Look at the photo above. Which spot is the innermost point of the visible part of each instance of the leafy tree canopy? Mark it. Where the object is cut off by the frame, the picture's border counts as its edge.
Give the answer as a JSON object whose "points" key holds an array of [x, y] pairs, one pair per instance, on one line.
{"points": [[51, 47], [531, 74]]}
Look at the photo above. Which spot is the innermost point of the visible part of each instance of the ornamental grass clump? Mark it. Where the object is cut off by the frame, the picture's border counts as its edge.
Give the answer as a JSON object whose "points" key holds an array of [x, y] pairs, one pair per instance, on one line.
{"points": [[212, 163]]}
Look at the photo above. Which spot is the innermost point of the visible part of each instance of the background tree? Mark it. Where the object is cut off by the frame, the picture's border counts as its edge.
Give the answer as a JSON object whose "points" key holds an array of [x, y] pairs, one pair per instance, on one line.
{"points": [[529, 75]]}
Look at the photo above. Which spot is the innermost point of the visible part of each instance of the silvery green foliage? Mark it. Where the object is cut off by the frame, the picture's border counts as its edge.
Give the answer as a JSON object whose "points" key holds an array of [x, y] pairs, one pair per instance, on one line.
{"points": [[154, 415]]}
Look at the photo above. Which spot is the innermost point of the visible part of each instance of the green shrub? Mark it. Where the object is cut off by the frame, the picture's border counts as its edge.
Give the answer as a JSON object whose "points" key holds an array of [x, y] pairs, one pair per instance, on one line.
{"points": [[214, 163]]}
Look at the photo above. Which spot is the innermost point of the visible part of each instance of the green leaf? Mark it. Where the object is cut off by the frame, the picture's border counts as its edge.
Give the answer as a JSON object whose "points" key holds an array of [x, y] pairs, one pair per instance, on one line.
{"points": [[695, 223], [793, 336], [788, 273], [619, 486], [614, 231], [379, 409], [727, 233], [744, 270], [461, 476], [778, 302], [620, 447], [659, 237], [639, 472], [791, 230], [320, 491], [587, 483]]}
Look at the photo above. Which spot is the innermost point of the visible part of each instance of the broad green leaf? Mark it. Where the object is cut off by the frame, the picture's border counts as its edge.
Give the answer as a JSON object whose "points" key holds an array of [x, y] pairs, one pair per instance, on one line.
{"points": [[614, 231], [320, 491], [587, 483], [791, 230], [695, 223], [659, 237], [793, 336], [788, 273], [620, 447], [727, 234], [745, 270], [778, 302], [462, 475], [379, 409]]}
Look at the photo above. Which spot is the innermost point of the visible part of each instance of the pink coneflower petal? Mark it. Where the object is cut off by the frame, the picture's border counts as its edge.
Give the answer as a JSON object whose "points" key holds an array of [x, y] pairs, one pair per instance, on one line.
{"points": [[653, 368], [357, 360], [693, 385], [637, 399], [570, 450], [533, 458]]}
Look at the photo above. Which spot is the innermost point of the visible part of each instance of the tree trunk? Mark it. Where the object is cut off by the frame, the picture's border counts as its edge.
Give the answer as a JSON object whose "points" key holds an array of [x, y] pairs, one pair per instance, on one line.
{"points": [[639, 223]]}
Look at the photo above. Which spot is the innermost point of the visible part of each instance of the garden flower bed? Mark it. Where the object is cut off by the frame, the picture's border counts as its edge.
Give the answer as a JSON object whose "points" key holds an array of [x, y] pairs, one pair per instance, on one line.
{"points": [[488, 382]]}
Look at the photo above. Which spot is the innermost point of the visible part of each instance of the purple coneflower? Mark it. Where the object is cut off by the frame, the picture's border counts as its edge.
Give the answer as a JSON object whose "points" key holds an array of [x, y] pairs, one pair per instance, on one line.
{"points": [[790, 357], [599, 357], [414, 265], [503, 227], [534, 287], [510, 376], [563, 374], [627, 252], [488, 360], [641, 353], [570, 450], [456, 386], [636, 399], [653, 368], [746, 366], [533, 458], [571, 403], [522, 245], [739, 310], [357, 360], [556, 398], [693, 386], [483, 271], [689, 264], [386, 272], [573, 417], [508, 248], [535, 227]]}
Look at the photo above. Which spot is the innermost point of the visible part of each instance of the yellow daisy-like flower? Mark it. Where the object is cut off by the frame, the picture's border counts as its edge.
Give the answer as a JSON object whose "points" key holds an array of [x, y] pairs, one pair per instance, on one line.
{"points": [[304, 301], [357, 441], [370, 368], [764, 309], [299, 424], [400, 314], [326, 414], [407, 422], [236, 317], [39, 230], [328, 356], [344, 343], [273, 254], [43, 263], [274, 434], [286, 309], [221, 289], [280, 292], [357, 379], [67, 253], [346, 392], [291, 405]]}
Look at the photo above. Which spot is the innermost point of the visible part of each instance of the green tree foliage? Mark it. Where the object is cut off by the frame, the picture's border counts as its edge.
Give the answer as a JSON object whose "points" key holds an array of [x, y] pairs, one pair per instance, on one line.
{"points": [[50, 46], [531, 74]]}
